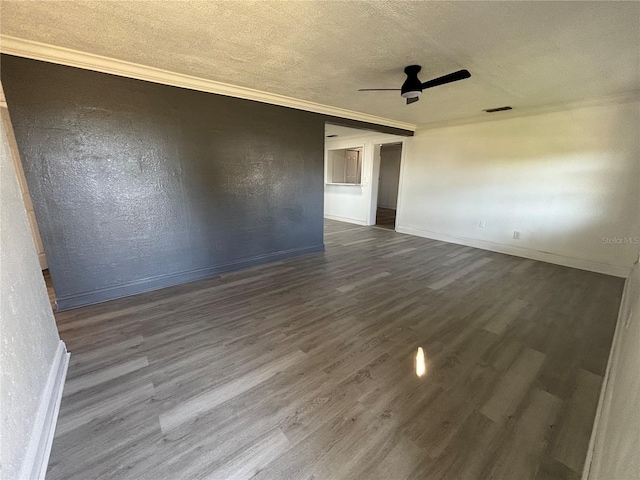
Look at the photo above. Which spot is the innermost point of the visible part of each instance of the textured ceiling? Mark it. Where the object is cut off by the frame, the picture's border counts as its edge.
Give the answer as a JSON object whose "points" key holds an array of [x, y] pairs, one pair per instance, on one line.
{"points": [[524, 54]]}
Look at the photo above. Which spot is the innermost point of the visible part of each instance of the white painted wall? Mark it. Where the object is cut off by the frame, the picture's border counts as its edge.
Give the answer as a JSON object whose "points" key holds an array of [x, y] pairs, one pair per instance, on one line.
{"points": [[567, 181], [357, 204], [24, 188], [616, 437], [389, 176], [32, 358]]}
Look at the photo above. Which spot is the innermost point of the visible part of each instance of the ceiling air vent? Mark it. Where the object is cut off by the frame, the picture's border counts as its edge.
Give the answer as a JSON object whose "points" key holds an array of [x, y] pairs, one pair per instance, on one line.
{"points": [[499, 109]]}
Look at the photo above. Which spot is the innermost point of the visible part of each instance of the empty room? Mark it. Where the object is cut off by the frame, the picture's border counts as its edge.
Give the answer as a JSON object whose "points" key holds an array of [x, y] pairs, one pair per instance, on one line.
{"points": [[319, 240]]}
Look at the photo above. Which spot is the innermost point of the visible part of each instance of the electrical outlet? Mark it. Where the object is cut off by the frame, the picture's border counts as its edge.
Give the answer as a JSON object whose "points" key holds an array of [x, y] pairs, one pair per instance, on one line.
{"points": [[482, 224], [516, 235]]}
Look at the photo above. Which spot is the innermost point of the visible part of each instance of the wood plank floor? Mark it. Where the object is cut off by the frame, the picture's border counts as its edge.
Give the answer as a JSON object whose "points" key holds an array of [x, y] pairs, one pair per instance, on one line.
{"points": [[305, 369], [386, 218]]}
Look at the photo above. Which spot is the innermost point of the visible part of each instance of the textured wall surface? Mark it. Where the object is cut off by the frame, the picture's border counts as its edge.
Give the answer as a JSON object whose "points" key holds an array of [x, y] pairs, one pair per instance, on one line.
{"points": [[29, 339], [137, 185]]}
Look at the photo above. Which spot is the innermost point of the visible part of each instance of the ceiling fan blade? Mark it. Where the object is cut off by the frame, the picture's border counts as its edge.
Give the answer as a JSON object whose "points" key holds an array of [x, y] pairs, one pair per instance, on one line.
{"points": [[452, 77], [378, 89], [412, 100]]}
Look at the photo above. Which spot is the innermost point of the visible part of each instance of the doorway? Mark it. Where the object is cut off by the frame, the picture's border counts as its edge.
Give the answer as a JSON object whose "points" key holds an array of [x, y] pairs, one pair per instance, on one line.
{"points": [[388, 182]]}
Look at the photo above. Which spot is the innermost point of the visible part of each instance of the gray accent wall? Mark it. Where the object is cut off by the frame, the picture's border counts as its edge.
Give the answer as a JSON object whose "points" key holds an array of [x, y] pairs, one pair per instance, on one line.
{"points": [[137, 186]]}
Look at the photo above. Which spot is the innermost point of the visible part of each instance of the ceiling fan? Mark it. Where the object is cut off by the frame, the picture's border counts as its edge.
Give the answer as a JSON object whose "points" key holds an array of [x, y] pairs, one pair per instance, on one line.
{"points": [[412, 86]]}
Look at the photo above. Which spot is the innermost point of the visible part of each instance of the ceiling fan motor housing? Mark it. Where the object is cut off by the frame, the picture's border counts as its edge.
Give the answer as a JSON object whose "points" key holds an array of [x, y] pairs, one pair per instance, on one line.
{"points": [[412, 86]]}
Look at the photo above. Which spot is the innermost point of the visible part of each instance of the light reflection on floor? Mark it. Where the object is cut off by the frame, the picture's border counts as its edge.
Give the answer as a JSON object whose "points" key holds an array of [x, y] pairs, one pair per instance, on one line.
{"points": [[421, 367]]}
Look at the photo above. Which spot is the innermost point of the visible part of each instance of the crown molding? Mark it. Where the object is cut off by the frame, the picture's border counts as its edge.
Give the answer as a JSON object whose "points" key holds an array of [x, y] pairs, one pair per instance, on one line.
{"points": [[616, 99], [89, 61]]}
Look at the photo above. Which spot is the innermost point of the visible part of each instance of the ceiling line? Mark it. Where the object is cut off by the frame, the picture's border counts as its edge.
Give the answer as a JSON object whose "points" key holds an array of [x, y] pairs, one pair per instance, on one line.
{"points": [[89, 61], [482, 117]]}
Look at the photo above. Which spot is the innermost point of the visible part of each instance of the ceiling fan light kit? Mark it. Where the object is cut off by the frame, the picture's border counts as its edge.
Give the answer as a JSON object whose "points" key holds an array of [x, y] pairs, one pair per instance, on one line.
{"points": [[412, 87], [411, 94]]}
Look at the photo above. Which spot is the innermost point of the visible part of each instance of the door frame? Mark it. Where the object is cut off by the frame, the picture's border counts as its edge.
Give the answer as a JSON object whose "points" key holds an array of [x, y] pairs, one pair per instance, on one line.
{"points": [[22, 181], [373, 207]]}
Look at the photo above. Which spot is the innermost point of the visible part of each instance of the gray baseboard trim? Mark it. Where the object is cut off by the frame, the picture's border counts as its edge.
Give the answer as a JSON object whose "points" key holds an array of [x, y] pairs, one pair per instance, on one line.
{"points": [[39, 449], [614, 270], [67, 302]]}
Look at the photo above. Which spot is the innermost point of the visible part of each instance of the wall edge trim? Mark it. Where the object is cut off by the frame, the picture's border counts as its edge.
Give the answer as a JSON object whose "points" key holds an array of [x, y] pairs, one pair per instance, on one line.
{"points": [[554, 258], [89, 61], [41, 441], [604, 401], [67, 302]]}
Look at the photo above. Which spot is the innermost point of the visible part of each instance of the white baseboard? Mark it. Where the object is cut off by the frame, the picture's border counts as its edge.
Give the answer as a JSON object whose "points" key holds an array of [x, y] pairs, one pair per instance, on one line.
{"points": [[39, 448], [592, 464], [346, 219], [601, 418], [554, 258]]}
